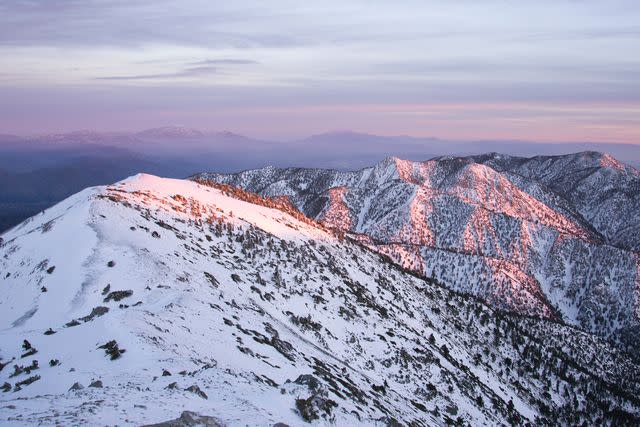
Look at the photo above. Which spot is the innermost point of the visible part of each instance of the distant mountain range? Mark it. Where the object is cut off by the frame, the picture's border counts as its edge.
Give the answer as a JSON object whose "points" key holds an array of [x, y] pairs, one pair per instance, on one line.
{"points": [[177, 151], [168, 301], [550, 236], [371, 148]]}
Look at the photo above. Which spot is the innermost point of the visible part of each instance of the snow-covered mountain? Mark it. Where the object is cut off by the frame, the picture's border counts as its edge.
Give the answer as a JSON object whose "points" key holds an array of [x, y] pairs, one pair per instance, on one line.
{"points": [[601, 189], [553, 236], [156, 299]]}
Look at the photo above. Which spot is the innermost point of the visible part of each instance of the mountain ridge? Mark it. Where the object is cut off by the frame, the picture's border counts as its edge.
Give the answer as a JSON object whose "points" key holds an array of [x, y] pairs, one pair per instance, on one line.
{"points": [[519, 238]]}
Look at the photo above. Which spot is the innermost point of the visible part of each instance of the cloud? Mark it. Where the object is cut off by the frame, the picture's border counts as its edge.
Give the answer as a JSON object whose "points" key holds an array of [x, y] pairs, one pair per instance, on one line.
{"points": [[225, 61], [292, 54], [187, 72], [136, 23], [287, 23]]}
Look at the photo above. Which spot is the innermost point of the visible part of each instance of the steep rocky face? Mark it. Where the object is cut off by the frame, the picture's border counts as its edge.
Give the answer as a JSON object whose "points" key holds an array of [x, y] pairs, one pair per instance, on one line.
{"points": [[207, 305], [555, 237]]}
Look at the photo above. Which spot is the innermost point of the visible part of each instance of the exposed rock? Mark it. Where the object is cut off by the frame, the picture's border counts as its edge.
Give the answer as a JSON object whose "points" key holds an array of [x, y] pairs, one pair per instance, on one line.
{"points": [[190, 419], [76, 386], [314, 407], [118, 295], [196, 390], [95, 312]]}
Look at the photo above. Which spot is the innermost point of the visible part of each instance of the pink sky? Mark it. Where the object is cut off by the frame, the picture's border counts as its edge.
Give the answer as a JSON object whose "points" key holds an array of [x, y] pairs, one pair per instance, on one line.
{"points": [[547, 70]]}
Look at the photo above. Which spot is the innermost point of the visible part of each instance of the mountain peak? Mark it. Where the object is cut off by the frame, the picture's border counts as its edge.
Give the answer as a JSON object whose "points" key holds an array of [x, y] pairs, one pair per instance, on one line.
{"points": [[608, 161]]}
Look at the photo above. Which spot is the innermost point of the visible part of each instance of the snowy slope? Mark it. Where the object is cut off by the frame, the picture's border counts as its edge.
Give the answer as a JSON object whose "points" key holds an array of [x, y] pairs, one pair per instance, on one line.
{"points": [[603, 190], [555, 237], [151, 297]]}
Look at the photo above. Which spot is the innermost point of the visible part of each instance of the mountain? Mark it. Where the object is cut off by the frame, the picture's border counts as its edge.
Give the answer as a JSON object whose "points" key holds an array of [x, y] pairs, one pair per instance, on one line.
{"points": [[601, 189], [39, 171], [28, 187], [84, 137], [157, 299], [349, 150], [179, 152], [170, 132], [549, 236]]}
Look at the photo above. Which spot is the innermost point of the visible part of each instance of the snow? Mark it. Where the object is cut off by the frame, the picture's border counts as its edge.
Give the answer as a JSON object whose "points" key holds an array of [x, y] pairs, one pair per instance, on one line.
{"points": [[220, 289], [538, 236]]}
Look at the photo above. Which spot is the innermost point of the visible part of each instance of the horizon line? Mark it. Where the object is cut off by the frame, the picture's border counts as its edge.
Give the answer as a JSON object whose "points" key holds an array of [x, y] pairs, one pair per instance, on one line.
{"points": [[337, 132]]}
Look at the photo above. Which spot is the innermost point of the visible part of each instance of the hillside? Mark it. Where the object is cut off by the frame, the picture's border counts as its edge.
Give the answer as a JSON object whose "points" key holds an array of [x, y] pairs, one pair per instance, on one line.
{"points": [[131, 303], [555, 236]]}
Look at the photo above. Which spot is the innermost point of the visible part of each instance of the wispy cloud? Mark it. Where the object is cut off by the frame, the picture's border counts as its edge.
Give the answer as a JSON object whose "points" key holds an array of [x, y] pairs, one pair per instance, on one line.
{"points": [[225, 61], [187, 72], [298, 55]]}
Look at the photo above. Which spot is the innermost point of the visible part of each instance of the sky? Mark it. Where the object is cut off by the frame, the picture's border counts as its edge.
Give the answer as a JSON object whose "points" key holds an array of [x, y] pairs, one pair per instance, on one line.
{"points": [[545, 70]]}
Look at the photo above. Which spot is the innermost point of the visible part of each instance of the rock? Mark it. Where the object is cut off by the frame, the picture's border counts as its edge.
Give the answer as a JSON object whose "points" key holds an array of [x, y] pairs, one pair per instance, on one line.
{"points": [[172, 386], [49, 332], [31, 352], [74, 322], [310, 381], [196, 390], [95, 312], [315, 406], [76, 386], [28, 381], [111, 263], [390, 422], [166, 373], [96, 384], [118, 295], [190, 419]]}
